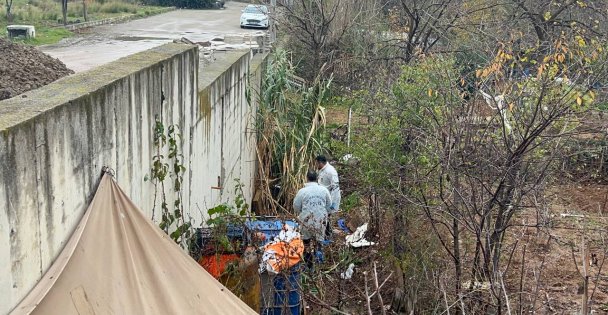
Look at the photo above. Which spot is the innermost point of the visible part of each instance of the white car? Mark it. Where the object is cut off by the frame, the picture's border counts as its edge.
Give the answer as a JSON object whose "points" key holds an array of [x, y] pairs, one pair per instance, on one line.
{"points": [[255, 16]]}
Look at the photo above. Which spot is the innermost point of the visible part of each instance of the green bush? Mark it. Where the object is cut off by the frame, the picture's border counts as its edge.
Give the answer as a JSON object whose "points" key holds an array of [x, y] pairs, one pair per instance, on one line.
{"points": [[94, 7], [33, 13], [187, 4], [118, 7], [51, 15], [46, 5]]}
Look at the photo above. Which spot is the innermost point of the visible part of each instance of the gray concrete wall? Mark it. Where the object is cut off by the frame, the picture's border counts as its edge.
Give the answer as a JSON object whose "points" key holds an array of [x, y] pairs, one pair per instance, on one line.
{"points": [[55, 140]]}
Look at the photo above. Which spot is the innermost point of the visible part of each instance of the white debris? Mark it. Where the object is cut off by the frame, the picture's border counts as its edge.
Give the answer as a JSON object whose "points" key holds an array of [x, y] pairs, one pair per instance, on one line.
{"points": [[349, 272], [568, 215], [350, 159], [287, 234], [477, 285], [357, 239]]}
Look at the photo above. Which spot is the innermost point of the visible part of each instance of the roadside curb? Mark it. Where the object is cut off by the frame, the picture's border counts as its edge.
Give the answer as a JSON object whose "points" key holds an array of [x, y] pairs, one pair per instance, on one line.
{"points": [[121, 19]]}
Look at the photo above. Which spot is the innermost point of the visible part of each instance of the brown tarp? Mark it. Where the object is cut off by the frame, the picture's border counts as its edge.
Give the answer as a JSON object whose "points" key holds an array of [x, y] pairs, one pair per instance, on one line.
{"points": [[118, 262]]}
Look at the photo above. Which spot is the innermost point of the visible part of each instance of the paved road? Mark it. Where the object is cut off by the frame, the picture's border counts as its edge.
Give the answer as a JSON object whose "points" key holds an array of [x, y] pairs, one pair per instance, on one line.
{"points": [[107, 43]]}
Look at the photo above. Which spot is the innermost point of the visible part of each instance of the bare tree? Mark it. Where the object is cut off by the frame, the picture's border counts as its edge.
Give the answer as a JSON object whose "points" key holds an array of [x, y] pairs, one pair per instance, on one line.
{"points": [[548, 19], [471, 165], [64, 11], [424, 24], [9, 13], [84, 10], [317, 29]]}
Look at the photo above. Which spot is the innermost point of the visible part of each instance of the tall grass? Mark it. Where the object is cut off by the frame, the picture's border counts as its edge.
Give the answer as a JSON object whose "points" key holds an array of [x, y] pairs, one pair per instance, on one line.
{"points": [[49, 11], [288, 125], [118, 7]]}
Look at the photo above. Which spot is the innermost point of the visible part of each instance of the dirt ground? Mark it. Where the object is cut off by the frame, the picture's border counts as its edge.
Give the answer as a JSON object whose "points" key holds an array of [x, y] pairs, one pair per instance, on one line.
{"points": [[576, 217], [24, 68]]}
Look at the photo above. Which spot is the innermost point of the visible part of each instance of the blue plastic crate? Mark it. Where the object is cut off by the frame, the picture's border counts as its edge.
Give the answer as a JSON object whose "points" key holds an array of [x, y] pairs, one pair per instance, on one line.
{"points": [[270, 228]]}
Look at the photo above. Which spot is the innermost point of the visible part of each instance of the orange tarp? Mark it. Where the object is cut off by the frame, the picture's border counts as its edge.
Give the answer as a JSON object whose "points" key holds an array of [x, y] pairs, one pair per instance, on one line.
{"points": [[216, 264], [287, 254]]}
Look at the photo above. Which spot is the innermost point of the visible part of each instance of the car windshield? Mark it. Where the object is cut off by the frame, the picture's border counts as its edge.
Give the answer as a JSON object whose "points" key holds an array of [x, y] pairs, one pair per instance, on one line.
{"points": [[255, 10]]}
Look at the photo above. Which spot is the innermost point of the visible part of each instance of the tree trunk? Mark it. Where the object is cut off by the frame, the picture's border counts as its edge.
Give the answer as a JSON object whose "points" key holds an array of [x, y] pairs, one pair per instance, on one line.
{"points": [[9, 13], [64, 11], [84, 10]]}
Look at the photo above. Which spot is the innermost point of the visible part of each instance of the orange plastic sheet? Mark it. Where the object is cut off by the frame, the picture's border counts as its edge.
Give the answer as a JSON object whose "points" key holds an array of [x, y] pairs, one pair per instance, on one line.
{"points": [[286, 254]]}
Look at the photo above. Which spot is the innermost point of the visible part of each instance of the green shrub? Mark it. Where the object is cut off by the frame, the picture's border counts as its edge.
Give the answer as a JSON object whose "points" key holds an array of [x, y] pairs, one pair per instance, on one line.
{"points": [[33, 13], [46, 5], [118, 7], [94, 7], [51, 15]]}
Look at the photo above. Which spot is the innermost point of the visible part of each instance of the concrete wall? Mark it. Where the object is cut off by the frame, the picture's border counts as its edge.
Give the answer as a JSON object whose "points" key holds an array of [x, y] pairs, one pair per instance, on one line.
{"points": [[55, 140]]}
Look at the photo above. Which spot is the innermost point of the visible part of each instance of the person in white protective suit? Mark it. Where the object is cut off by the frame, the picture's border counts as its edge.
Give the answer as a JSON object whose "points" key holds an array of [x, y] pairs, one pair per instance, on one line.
{"points": [[328, 178]]}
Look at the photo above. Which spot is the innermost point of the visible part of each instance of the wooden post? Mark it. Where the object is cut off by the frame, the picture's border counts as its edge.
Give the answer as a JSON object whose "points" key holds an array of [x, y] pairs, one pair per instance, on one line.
{"points": [[84, 10], [585, 261], [350, 116]]}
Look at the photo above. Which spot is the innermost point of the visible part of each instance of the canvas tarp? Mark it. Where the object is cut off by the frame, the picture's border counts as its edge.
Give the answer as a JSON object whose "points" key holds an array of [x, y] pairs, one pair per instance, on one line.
{"points": [[118, 262]]}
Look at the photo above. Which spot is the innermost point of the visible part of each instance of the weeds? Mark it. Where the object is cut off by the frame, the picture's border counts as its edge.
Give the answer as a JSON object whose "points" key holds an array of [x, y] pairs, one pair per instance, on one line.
{"points": [[45, 15], [289, 124]]}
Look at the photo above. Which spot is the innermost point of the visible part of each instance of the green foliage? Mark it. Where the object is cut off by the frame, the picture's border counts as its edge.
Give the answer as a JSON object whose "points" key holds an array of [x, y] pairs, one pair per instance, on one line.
{"points": [[44, 15], [115, 7], [290, 123], [417, 102], [224, 215], [351, 201], [172, 220], [186, 4], [46, 36]]}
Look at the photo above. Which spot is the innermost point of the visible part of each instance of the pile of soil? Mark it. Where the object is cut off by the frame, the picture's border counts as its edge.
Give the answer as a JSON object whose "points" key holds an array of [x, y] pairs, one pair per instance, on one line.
{"points": [[24, 68]]}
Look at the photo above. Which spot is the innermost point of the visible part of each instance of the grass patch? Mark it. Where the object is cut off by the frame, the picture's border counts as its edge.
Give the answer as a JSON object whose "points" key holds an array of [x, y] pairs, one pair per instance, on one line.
{"points": [[48, 35], [46, 16]]}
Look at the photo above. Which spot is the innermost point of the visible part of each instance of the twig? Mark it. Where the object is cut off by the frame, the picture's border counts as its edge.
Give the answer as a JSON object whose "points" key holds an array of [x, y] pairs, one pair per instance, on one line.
{"points": [[585, 261], [383, 283], [329, 307], [378, 290], [599, 272], [445, 298], [502, 283], [367, 296]]}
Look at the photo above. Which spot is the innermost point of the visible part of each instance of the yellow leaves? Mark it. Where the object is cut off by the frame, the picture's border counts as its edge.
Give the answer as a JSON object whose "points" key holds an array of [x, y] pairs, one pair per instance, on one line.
{"points": [[547, 16], [581, 4], [580, 41], [579, 101], [484, 73], [503, 56], [430, 92], [541, 69], [501, 59]]}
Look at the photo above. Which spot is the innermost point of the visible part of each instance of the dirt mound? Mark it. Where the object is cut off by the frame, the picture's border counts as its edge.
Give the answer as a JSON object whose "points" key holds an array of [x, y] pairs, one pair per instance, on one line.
{"points": [[24, 68]]}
